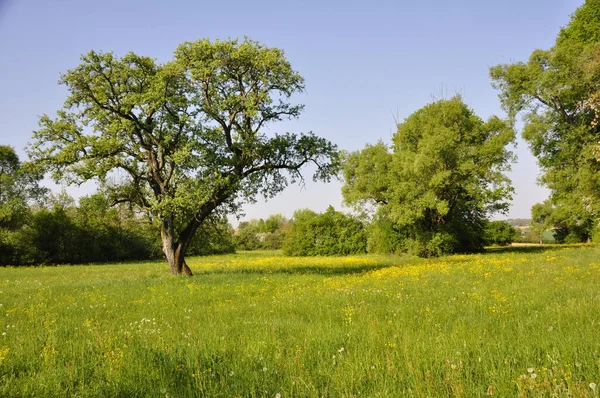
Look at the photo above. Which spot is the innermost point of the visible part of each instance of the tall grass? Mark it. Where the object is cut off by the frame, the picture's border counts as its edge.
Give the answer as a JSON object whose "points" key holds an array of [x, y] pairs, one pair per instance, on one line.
{"points": [[505, 323]]}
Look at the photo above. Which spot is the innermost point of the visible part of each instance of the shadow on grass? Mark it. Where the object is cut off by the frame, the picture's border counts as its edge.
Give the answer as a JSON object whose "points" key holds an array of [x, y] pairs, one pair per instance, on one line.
{"points": [[533, 249], [307, 270]]}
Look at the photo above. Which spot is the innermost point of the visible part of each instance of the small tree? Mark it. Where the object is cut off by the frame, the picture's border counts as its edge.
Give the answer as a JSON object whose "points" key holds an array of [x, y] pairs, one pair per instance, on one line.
{"points": [[184, 139], [247, 235], [499, 233]]}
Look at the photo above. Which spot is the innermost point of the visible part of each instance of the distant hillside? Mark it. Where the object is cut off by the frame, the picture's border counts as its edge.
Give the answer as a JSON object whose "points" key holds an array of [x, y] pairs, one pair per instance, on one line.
{"points": [[519, 222]]}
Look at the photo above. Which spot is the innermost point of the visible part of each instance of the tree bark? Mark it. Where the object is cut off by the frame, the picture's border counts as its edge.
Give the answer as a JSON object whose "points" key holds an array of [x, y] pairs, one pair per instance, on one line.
{"points": [[174, 251]]}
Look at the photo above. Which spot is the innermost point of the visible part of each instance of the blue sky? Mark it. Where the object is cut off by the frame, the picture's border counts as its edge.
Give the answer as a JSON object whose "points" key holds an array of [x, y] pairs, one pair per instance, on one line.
{"points": [[365, 63]]}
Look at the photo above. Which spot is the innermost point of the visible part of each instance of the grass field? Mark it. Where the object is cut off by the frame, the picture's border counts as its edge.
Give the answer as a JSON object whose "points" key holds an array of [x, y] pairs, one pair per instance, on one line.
{"points": [[505, 323]]}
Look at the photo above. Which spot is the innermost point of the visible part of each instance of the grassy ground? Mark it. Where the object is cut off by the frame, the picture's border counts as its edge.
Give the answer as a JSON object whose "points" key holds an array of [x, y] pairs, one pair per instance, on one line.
{"points": [[520, 322]]}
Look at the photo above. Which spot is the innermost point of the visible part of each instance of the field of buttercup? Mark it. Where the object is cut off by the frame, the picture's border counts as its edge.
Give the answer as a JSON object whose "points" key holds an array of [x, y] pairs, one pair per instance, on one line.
{"points": [[506, 323]]}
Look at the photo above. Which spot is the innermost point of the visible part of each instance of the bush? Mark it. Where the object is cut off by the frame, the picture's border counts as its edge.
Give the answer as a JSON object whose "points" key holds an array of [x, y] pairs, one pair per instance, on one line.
{"points": [[431, 245], [499, 233], [329, 233], [214, 237]]}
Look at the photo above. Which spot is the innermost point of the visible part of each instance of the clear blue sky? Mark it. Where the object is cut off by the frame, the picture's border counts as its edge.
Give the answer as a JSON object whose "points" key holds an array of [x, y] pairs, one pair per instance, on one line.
{"points": [[365, 63]]}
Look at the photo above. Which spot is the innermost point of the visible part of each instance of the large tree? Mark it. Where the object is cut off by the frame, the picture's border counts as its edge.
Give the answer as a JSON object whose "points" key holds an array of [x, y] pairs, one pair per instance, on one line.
{"points": [[185, 139], [557, 91], [441, 179]]}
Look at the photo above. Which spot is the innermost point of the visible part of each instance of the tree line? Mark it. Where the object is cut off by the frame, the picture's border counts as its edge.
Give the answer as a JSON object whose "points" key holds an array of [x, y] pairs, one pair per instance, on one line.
{"points": [[332, 232], [183, 143], [38, 227]]}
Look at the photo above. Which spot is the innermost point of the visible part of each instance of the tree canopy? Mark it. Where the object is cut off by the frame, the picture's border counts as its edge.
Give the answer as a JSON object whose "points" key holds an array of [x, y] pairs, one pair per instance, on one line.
{"points": [[557, 92], [183, 140], [18, 187], [443, 175]]}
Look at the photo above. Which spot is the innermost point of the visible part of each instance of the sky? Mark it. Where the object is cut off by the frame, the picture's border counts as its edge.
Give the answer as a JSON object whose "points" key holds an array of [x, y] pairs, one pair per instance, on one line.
{"points": [[366, 64]]}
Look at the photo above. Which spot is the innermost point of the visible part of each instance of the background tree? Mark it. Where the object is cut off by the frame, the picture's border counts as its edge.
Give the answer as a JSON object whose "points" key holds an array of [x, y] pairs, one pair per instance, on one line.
{"points": [[325, 234], [499, 233], [266, 234], [569, 224], [540, 219], [182, 140], [557, 92], [246, 237], [441, 180], [18, 190], [215, 236], [276, 229]]}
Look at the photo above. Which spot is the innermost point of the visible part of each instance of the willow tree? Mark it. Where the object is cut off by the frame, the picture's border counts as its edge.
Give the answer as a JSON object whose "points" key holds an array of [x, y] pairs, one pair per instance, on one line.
{"points": [[185, 139], [440, 180]]}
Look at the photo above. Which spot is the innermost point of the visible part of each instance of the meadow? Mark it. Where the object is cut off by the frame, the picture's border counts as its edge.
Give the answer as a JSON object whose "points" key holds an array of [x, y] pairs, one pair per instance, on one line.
{"points": [[522, 322]]}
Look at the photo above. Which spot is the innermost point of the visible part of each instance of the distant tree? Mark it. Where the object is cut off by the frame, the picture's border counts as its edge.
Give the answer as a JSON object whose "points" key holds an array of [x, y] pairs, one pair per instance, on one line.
{"points": [[568, 224], [499, 233], [541, 219], [266, 234], [18, 189], [568, 227], [247, 235], [441, 180], [112, 233], [274, 223], [187, 136], [557, 92], [328, 233], [275, 232], [215, 236]]}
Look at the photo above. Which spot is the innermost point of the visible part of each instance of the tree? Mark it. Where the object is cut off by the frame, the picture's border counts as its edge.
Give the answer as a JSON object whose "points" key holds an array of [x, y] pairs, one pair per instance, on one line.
{"points": [[247, 235], [557, 92], [569, 222], [215, 236], [499, 233], [185, 139], [266, 234], [274, 223], [275, 231], [540, 219], [441, 179], [18, 188]]}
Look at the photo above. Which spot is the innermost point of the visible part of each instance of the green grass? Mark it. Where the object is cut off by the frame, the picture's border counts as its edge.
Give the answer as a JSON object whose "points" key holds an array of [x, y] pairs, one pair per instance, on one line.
{"points": [[524, 322]]}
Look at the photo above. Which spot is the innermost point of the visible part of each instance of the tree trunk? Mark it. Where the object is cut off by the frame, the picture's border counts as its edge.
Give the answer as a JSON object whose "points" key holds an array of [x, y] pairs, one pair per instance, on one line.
{"points": [[181, 265], [174, 252]]}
